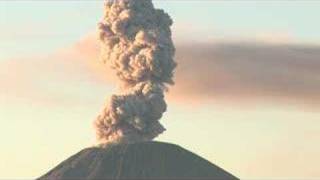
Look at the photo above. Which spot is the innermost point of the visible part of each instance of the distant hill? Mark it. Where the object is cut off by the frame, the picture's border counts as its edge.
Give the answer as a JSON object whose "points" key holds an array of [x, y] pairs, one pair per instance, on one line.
{"points": [[141, 160]]}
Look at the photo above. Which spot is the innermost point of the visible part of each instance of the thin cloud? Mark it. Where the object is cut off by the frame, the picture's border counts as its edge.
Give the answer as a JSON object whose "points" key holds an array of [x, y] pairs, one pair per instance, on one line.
{"points": [[68, 76], [220, 72], [248, 71], [233, 71]]}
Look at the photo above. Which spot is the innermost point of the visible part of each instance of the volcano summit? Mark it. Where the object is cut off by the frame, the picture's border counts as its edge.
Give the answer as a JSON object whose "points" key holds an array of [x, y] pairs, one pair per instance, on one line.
{"points": [[144, 160]]}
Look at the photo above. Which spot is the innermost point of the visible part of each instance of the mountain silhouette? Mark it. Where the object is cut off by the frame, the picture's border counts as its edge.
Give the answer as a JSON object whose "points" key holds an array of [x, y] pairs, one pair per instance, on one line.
{"points": [[144, 160]]}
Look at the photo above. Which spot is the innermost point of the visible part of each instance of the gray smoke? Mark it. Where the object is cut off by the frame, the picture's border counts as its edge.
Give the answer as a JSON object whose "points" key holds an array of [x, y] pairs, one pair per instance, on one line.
{"points": [[136, 42]]}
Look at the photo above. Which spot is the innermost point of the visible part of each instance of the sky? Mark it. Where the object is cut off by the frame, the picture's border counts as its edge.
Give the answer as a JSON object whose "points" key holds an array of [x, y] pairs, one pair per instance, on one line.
{"points": [[246, 93]]}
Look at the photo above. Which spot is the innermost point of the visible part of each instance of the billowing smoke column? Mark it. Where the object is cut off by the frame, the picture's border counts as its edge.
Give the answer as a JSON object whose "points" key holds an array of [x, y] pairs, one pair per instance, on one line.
{"points": [[136, 43]]}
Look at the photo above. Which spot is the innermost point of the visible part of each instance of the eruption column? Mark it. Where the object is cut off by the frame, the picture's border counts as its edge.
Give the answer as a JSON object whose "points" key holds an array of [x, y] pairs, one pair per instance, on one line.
{"points": [[136, 42]]}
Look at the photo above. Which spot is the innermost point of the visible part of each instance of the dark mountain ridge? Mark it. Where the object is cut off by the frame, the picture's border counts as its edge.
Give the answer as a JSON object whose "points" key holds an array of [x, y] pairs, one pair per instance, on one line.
{"points": [[144, 160]]}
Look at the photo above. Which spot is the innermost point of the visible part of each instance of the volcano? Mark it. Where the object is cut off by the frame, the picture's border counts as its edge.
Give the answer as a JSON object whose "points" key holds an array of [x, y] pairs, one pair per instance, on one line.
{"points": [[146, 160]]}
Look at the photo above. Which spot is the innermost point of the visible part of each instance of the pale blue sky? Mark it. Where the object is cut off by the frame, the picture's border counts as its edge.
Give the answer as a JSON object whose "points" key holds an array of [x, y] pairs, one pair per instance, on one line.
{"points": [[29, 23], [49, 113]]}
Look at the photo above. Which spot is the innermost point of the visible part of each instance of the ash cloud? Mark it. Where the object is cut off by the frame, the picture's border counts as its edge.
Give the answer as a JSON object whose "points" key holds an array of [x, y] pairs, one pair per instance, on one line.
{"points": [[248, 72], [136, 43], [238, 72]]}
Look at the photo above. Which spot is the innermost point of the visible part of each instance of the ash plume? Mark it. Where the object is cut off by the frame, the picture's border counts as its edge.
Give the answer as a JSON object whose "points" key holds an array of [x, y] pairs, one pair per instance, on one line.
{"points": [[136, 43]]}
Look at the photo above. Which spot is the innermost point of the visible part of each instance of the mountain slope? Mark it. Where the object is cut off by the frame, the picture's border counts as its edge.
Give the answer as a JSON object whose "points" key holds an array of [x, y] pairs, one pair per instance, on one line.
{"points": [[140, 160]]}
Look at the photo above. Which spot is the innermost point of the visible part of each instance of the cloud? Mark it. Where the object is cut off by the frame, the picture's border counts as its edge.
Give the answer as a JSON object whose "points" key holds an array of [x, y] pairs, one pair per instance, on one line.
{"points": [[248, 71], [68, 76], [233, 72]]}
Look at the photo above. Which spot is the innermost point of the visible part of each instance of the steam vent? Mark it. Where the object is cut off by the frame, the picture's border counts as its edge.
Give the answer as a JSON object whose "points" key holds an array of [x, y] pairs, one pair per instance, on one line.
{"points": [[144, 160]]}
